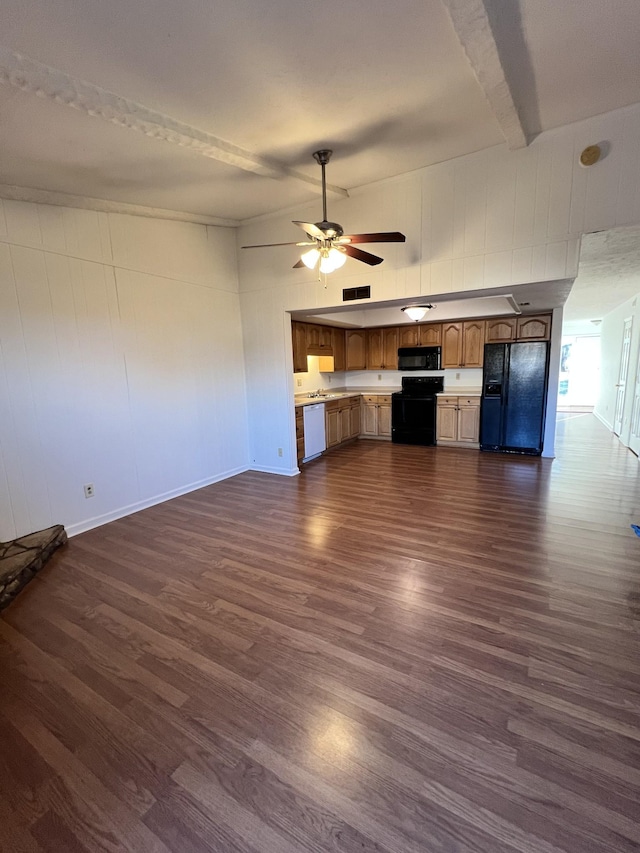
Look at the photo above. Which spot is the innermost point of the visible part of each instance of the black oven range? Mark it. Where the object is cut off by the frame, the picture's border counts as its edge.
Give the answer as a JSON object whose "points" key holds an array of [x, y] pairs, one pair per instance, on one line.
{"points": [[413, 410]]}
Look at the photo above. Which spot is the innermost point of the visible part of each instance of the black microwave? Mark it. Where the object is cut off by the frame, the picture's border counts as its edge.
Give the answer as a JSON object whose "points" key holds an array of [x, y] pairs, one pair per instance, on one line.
{"points": [[419, 358]]}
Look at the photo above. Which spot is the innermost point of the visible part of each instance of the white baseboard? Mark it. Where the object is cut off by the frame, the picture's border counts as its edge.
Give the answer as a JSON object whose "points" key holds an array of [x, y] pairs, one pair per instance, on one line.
{"points": [[263, 469], [121, 512], [603, 421]]}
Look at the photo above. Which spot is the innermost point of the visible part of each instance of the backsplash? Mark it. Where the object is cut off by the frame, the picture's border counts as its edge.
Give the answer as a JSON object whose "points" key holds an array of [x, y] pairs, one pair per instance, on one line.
{"points": [[303, 383], [468, 378]]}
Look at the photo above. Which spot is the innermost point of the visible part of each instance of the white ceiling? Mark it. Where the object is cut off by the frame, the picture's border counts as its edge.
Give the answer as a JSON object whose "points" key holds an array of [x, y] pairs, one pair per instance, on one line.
{"points": [[387, 85], [608, 275], [233, 98]]}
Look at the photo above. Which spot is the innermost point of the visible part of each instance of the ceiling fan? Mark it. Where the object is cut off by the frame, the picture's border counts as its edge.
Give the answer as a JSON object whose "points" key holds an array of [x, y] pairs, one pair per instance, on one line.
{"points": [[330, 245]]}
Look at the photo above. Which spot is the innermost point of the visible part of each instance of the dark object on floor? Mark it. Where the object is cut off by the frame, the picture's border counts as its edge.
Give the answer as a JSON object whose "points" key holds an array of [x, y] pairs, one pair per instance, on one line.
{"points": [[636, 529], [21, 559]]}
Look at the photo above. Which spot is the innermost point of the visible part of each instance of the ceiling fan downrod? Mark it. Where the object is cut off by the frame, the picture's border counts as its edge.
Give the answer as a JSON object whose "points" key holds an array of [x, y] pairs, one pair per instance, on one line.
{"points": [[322, 157]]}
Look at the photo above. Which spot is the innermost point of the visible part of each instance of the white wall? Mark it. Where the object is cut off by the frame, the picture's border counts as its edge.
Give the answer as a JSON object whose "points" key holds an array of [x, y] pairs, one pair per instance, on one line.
{"points": [[611, 330], [485, 220], [120, 364]]}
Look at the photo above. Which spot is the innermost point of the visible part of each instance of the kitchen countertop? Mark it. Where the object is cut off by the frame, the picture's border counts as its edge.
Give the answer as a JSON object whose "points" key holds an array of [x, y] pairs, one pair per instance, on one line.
{"points": [[461, 392], [305, 400]]}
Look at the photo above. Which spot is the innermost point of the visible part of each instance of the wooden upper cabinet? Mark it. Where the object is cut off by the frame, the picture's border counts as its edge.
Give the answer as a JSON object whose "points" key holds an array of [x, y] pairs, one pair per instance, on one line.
{"points": [[299, 339], [325, 334], [500, 330], [390, 348], [472, 343], [534, 328], [375, 354], [319, 338], [409, 336], [356, 349], [338, 344], [463, 344], [451, 345], [430, 334], [313, 336]]}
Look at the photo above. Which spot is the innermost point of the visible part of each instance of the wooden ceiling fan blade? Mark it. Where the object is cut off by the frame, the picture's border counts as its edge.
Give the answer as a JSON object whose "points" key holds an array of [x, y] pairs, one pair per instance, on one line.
{"points": [[311, 229], [376, 237], [359, 255], [298, 265], [267, 245]]}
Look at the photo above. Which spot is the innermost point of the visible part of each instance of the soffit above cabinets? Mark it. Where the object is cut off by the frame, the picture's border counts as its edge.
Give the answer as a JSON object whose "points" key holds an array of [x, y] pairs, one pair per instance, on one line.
{"points": [[500, 302]]}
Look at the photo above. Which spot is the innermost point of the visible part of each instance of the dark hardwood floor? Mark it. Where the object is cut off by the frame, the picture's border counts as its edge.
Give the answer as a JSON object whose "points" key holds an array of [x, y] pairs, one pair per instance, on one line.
{"points": [[403, 649]]}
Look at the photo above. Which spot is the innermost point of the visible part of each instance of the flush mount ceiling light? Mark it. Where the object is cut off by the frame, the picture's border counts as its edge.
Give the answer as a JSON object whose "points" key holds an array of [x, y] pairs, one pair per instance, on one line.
{"points": [[417, 312]]}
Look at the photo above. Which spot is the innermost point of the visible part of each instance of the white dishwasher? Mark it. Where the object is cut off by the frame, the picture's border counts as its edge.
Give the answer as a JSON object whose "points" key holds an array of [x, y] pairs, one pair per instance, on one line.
{"points": [[314, 435]]}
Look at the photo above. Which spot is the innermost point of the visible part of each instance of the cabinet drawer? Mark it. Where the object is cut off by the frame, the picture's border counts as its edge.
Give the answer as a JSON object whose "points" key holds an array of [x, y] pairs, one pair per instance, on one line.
{"points": [[370, 398], [469, 401], [332, 405], [384, 399], [447, 401]]}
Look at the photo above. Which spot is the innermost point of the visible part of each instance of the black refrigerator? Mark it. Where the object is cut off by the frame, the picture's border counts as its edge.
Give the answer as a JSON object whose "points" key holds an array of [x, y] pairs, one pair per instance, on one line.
{"points": [[514, 397]]}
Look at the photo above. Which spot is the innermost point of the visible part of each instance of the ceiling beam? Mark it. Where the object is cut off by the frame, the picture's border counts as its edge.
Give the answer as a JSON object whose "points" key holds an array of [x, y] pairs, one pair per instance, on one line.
{"points": [[473, 29], [105, 206], [46, 82]]}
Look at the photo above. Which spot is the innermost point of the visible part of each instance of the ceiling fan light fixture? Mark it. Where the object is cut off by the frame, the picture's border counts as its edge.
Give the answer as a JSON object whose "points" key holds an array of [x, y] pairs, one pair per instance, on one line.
{"points": [[416, 312], [332, 260], [310, 258]]}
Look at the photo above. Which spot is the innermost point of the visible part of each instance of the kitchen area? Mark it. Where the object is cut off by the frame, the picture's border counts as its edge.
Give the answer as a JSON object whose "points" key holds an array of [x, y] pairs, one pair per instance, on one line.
{"points": [[476, 383]]}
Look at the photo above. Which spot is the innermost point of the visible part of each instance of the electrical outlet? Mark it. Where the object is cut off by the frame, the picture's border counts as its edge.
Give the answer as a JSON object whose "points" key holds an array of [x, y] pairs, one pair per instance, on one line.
{"points": [[457, 376], [379, 377], [299, 383], [89, 491], [279, 451]]}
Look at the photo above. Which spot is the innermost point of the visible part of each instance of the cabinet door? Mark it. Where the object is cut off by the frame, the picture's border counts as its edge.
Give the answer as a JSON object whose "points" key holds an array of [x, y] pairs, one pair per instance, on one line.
{"points": [[384, 418], [409, 336], [390, 348], [469, 421], [299, 339], [345, 422], [451, 344], [325, 336], [338, 344], [313, 336], [430, 334], [500, 331], [375, 357], [369, 418], [446, 421], [356, 349], [332, 421], [355, 419], [534, 328], [473, 343]]}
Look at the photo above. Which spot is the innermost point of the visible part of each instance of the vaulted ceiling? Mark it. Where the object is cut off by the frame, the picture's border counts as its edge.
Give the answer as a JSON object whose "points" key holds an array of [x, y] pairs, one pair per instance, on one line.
{"points": [[214, 109]]}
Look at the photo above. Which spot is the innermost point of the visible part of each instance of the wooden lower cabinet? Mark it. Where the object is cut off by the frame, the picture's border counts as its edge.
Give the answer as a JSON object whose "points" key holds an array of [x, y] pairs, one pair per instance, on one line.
{"points": [[376, 416], [299, 434], [458, 421], [342, 420]]}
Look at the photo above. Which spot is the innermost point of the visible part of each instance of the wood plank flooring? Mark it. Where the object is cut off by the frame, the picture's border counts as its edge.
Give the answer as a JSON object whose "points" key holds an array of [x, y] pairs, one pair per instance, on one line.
{"points": [[404, 649]]}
